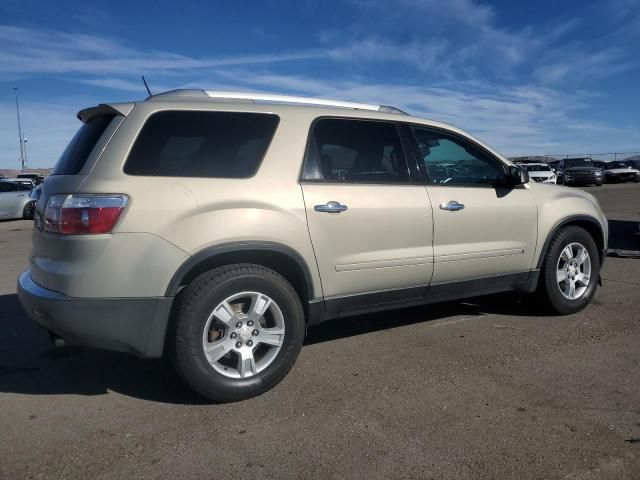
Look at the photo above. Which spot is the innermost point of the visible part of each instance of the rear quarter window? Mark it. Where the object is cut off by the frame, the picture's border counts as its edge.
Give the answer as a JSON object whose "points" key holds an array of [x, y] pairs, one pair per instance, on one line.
{"points": [[201, 144], [75, 155]]}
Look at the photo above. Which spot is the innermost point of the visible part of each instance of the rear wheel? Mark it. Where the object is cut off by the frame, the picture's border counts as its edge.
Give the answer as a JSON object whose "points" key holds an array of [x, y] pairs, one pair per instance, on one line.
{"points": [[237, 331], [570, 271]]}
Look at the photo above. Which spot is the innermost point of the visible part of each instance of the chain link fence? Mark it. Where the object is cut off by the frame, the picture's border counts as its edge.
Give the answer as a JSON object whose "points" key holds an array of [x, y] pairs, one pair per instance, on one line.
{"points": [[603, 157]]}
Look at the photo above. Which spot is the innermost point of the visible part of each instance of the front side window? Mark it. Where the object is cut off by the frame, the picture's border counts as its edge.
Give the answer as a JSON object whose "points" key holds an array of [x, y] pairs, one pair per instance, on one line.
{"points": [[452, 161], [355, 151], [201, 144]]}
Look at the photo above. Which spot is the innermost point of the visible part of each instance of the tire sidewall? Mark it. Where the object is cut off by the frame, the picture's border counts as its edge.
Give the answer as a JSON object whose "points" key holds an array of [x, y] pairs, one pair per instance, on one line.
{"points": [[212, 383], [565, 237]]}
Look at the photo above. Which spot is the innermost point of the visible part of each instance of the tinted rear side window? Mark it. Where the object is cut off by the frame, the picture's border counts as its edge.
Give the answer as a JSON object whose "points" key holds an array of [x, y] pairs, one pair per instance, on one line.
{"points": [[78, 150], [355, 151], [201, 144]]}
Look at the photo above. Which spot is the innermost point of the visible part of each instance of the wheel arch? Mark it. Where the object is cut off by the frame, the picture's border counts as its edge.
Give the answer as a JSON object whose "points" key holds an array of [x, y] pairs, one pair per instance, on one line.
{"points": [[280, 258], [590, 224]]}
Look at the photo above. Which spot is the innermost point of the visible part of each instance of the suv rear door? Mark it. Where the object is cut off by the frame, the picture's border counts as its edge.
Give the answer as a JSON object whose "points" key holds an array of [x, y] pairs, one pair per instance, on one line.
{"points": [[482, 227], [370, 224]]}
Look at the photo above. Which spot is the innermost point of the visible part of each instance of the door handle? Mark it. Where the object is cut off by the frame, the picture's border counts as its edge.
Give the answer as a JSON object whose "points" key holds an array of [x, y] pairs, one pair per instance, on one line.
{"points": [[452, 206], [330, 207]]}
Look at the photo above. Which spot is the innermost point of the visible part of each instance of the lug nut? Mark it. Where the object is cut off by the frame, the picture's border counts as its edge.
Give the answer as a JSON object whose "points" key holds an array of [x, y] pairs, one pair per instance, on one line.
{"points": [[250, 323], [255, 333], [234, 335], [239, 325], [249, 343], [238, 344]]}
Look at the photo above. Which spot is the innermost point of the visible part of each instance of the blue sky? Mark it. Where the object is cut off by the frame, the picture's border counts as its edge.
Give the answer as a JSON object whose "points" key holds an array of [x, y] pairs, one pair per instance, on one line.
{"points": [[526, 77]]}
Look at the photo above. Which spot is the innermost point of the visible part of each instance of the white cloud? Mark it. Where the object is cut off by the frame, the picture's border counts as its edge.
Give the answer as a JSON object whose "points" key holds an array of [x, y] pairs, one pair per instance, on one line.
{"points": [[521, 90], [29, 51]]}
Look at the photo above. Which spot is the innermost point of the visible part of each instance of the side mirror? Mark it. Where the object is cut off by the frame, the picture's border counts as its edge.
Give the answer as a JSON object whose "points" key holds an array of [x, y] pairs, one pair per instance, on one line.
{"points": [[517, 176]]}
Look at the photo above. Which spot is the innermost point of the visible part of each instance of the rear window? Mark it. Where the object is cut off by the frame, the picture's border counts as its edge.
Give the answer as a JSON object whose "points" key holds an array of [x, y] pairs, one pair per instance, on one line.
{"points": [[78, 150], [201, 144]]}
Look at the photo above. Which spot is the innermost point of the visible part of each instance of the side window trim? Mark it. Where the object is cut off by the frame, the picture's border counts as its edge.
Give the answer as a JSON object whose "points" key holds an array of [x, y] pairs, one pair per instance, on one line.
{"points": [[311, 144], [423, 170], [417, 173]]}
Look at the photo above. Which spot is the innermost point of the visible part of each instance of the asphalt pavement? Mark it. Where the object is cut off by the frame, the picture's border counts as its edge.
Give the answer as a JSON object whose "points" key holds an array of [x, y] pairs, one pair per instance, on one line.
{"points": [[483, 388]]}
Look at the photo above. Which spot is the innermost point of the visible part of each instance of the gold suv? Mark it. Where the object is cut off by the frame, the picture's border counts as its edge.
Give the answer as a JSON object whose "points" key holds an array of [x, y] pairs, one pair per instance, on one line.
{"points": [[216, 226]]}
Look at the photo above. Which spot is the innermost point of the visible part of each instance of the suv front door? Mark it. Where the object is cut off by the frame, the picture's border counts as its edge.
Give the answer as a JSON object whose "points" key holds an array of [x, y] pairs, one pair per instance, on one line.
{"points": [[370, 226], [10, 196], [482, 227]]}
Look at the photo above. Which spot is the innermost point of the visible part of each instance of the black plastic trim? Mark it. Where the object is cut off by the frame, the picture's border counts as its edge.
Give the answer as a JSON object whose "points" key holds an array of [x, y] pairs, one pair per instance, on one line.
{"points": [[419, 173], [369, 302], [233, 247], [343, 303], [132, 325], [562, 223]]}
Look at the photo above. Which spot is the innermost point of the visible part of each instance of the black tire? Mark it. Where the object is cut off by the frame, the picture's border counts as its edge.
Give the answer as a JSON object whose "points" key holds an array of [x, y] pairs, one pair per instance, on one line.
{"points": [[28, 211], [194, 305], [548, 290]]}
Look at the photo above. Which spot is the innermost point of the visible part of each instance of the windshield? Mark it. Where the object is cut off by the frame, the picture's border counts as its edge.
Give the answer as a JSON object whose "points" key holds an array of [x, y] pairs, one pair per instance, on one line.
{"points": [[612, 165], [537, 168], [579, 162]]}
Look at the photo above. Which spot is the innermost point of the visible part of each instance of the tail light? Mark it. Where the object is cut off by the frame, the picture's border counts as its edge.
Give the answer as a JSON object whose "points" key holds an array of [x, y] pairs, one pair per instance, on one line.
{"points": [[78, 214]]}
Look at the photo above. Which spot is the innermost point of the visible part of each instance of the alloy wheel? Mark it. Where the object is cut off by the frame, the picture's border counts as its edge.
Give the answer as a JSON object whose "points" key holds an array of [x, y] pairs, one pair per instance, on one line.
{"points": [[243, 334], [573, 271]]}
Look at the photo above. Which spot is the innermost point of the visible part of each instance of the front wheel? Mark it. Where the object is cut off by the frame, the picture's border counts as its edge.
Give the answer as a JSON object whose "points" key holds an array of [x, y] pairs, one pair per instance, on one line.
{"points": [[237, 331], [570, 271]]}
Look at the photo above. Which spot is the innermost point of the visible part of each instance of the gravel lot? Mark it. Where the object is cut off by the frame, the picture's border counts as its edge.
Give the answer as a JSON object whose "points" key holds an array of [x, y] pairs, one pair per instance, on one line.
{"points": [[473, 389]]}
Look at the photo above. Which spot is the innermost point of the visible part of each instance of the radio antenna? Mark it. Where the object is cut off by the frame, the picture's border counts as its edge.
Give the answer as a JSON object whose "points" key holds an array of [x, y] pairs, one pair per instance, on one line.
{"points": [[146, 86]]}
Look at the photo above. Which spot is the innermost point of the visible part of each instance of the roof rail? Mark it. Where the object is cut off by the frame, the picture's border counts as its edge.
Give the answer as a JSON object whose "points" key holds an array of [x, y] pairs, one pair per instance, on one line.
{"points": [[269, 97]]}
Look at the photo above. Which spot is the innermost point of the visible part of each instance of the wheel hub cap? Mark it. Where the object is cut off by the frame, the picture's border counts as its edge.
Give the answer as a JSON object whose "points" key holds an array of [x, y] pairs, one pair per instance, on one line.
{"points": [[248, 334], [244, 333], [573, 271]]}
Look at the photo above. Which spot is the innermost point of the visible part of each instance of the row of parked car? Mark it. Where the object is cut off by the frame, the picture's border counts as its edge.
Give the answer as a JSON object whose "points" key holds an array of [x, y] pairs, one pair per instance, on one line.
{"points": [[582, 171], [18, 195]]}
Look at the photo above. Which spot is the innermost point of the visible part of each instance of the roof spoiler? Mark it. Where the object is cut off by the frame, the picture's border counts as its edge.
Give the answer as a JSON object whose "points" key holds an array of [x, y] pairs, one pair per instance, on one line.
{"points": [[87, 114]]}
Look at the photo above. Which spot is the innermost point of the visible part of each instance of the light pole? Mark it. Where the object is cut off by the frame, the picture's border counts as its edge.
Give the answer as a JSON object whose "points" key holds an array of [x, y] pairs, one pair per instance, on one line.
{"points": [[21, 140]]}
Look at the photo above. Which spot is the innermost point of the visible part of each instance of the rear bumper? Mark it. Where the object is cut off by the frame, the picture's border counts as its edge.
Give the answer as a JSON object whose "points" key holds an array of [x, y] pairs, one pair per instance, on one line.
{"points": [[133, 325]]}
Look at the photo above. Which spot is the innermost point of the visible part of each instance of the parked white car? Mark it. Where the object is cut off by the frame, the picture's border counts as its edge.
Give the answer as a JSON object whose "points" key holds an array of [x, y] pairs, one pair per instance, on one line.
{"points": [[15, 201], [539, 172]]}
